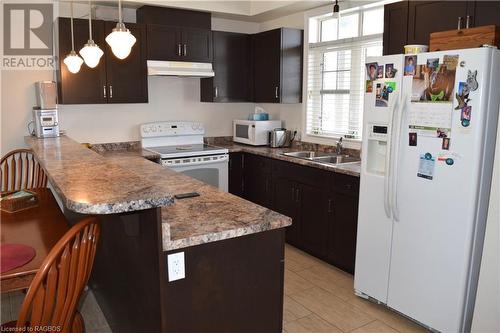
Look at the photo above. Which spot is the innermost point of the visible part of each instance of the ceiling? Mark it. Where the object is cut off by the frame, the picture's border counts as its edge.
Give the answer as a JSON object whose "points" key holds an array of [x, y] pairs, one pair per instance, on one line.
{"points": [[253, 11]]}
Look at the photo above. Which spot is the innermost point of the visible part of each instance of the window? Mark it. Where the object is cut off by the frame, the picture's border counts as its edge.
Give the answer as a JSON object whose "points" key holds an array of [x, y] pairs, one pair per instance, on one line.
{"points": [[337, 51]]}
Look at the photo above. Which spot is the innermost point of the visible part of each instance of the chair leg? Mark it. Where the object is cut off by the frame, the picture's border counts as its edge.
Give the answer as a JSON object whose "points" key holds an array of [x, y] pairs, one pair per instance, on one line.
{"points": [[78, 325]]}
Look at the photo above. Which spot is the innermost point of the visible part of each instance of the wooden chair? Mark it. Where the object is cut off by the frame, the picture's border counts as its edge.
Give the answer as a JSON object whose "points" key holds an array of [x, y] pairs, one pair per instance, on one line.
{"points": [[19, 170], [55, 291]]}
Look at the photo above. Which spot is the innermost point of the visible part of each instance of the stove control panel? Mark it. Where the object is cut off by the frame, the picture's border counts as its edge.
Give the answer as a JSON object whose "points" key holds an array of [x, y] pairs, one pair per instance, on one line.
{"points": [[172, 128]]}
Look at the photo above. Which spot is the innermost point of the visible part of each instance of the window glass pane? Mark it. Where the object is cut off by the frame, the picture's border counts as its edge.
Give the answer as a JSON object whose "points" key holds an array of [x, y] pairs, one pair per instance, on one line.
{"points": [[374, 51], [373, 21], [335, 115], [313, 30], [330, 61], [344, 80], [329, 30], [330, 80], [348, 26], [344, 59]]}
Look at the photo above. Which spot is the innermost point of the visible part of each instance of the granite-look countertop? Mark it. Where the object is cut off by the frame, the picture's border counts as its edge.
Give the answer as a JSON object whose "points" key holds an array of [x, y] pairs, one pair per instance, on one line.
{"points": [[213, 216], [352, 169], [88, 183]]}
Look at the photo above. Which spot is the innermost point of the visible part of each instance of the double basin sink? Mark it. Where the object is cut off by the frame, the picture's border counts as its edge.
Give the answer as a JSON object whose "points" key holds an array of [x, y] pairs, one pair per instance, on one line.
{"points": [[323, 157]]}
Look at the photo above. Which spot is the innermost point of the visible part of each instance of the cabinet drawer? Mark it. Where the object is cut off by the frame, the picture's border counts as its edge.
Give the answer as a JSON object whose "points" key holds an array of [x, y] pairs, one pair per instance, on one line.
{"points": [[346, 184]]}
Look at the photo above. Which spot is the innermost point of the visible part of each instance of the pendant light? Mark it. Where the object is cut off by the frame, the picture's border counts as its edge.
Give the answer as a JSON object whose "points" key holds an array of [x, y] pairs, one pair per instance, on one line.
{"points": [[90, 52], [336, 10], [73, 61], [120, 39]]}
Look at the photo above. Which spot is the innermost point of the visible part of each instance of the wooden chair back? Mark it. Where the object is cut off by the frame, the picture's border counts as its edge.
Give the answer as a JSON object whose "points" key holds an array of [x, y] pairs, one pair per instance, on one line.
{"points": [[19, 170], [54, 294]]}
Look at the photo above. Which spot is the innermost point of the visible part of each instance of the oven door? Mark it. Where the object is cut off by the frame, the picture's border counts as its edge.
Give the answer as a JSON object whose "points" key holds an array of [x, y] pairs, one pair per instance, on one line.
{"points": [[211, 170]]}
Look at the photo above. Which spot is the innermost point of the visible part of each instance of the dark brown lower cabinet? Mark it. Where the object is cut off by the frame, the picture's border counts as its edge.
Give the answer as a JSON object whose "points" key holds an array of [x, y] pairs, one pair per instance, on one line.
{"points": [[236, 174], [342, 231], [323, 206], [313, 219], [257, 180]]}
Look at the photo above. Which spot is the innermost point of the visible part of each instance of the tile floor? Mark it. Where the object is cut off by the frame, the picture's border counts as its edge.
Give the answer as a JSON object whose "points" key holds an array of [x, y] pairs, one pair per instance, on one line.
{"points": [[318, 299]]}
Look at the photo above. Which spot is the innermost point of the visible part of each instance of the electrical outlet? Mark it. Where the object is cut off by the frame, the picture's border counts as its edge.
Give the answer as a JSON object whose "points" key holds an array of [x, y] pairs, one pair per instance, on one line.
{"points": [[176, 269]]}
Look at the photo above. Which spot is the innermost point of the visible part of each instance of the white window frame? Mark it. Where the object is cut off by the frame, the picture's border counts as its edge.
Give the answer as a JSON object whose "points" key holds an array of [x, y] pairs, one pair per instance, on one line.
{"points": [[348, 8]]}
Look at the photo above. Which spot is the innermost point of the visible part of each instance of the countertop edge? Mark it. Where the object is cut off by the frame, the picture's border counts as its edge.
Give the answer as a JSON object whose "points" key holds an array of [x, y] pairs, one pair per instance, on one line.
{"points": [[99, 208]]}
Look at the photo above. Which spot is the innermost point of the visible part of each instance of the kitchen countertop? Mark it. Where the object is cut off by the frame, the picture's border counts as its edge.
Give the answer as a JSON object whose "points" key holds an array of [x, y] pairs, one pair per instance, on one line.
{"points": [[213, 216], [125, 180], [352, 169], [88, 183]]}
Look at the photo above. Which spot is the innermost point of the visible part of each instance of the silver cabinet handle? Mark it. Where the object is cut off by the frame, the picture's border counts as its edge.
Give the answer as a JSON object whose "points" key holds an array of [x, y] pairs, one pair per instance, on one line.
{"points": [[293, 193], [276, 90], [185, 49], [110, 91], [179, 49], [104, 90], [460, 18], [216, 92], [330, 206], [297, 192], [467, 21]]}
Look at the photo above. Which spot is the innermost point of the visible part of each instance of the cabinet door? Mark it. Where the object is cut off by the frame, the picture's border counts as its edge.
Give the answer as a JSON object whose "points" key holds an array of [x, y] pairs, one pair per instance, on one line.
{"points": [[232, 69], [236, 174], [196, 45], [343, 231], [431, 16], [395, 27], [257, 180], [484, 13], [127, 79], [285, 202], [266, 48], [88, 86], [164, 42], [313, 225]]}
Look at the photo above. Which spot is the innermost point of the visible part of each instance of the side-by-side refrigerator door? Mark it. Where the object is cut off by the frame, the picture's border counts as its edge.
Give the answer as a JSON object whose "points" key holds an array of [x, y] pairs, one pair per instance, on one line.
{"points": [[439, 176], [374, 234]]}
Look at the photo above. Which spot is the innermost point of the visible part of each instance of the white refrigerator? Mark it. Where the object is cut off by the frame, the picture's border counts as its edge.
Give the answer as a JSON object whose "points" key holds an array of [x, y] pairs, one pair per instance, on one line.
{"points": [[429, 134]]}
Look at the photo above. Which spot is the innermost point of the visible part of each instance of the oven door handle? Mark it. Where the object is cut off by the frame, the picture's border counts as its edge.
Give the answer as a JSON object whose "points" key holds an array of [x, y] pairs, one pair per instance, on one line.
{"points": [[197, 163]]}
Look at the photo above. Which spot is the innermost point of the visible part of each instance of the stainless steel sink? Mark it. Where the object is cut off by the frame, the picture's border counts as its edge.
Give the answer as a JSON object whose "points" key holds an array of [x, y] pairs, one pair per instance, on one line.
{"points": [[323, 157], [339, 159], [308, 154]]}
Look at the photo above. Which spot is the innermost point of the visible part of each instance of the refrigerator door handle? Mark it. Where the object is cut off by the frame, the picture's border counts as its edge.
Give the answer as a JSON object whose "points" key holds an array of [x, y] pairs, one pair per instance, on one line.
{"points": [[388, 163], [395, 159]]}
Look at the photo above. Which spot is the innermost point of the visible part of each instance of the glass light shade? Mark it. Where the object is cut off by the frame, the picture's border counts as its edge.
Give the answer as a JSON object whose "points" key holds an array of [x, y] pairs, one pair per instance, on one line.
{"points": [[91, 54], [73, 62], [121, 41]]}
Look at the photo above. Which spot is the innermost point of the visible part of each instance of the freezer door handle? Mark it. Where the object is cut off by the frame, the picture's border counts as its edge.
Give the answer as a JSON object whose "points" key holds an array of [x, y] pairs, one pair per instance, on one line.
{"points": [[388, 162], [395, 158]]}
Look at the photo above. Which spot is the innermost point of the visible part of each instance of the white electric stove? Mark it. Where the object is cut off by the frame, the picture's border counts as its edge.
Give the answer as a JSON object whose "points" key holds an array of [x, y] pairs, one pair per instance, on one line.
{"points": [[180, 147]]}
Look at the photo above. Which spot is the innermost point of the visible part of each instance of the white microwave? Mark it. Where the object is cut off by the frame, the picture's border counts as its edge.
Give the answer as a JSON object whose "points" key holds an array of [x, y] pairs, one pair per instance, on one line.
{"points": [[254, 132]]}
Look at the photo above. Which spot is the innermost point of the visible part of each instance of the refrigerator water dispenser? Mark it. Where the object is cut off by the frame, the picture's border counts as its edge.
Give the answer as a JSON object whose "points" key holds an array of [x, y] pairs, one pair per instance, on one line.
{"points": [[377, 149]]}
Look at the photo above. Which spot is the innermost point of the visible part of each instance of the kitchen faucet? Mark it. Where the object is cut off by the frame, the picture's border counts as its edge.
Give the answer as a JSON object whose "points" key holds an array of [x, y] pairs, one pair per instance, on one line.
{"points": [[339, 147]]}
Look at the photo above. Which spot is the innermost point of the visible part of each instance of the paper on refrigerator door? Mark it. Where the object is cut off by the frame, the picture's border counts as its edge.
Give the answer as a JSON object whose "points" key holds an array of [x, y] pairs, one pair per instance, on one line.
{"points": [[430, 119]]}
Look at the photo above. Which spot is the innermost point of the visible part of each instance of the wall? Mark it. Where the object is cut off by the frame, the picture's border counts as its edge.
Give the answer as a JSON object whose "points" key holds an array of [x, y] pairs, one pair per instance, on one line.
{"points": [[169, 99]]}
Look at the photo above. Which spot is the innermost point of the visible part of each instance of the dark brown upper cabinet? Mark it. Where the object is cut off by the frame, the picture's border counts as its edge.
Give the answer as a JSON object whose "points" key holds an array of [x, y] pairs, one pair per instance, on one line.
{"points": [[177, 34], [113, 80], [395, 27], [484, 13], [127, 79], [165, 42], [412, 22], [277, 66], [232, 66], [89, 85], [425, 17]]}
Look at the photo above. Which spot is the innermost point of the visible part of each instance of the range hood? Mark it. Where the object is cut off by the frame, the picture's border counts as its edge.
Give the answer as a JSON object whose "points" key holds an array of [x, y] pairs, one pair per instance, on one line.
{"points": [[180, 68]]}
